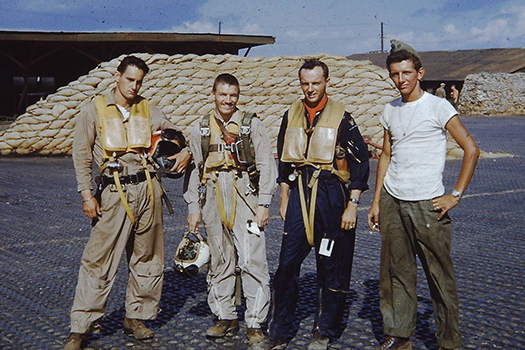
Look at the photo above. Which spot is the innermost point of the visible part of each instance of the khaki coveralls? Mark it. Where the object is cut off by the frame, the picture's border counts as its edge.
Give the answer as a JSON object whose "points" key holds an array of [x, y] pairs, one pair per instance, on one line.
{"points": [[113, 233], [229, 247]]}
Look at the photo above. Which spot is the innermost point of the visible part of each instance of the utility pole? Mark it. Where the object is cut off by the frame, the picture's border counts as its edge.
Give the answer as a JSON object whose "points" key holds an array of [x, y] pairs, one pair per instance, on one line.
{"points": [[382, 37], [220, 27]]}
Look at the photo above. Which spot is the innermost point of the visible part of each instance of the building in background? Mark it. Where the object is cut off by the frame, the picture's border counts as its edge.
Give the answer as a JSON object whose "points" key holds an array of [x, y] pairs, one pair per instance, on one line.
{"points": [[452, 67], [35, 64]]}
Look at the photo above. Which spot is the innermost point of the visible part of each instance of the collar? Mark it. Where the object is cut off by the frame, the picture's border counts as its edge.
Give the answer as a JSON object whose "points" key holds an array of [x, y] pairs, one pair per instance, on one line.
{"points": [[110, 99], [233, 120], [312, 111]]}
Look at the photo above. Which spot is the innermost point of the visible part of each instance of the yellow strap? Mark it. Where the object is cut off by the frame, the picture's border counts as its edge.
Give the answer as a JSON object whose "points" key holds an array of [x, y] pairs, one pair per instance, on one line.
{"points": [[238, 287], [222, 211], [125, 203], [308, 218], [152, 198], [123, 197], [341, 174]]}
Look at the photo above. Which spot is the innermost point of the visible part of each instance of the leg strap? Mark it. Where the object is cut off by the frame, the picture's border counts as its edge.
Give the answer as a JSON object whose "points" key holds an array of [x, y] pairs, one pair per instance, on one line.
{"points": [[308, 218], [220, 202]]}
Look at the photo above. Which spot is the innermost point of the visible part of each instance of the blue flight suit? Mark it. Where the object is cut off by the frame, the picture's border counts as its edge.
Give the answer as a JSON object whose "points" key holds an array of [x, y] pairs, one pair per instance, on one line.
{"points": [[333, 273]]}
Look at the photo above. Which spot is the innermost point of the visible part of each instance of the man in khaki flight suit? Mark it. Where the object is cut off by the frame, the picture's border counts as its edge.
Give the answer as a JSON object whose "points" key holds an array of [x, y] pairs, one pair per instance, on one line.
{"points": [[229, 205], [115, 131]]}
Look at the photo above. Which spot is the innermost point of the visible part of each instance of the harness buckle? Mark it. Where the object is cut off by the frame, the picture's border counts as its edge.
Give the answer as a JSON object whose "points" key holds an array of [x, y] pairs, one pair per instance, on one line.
{"points": [[245, 130], [250, 189], [237, 149], [222, 147], [205, 131], [202, 192]]}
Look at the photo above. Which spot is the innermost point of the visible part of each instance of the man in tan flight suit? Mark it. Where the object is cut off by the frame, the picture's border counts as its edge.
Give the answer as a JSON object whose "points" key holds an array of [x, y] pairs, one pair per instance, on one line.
{"points": [[115, 131], [233, 212]]}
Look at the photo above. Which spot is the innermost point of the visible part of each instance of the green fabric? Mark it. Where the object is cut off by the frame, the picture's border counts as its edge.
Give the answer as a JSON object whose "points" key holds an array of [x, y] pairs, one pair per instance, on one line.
{"points": [[409, 228], [397, 45]]}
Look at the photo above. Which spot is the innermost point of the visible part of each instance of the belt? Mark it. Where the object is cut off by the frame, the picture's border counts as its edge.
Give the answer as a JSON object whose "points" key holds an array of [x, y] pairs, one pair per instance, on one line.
{"points": [[126, 179]]}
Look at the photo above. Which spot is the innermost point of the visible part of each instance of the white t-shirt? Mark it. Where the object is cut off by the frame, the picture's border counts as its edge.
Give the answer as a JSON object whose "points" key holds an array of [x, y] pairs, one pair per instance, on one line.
{"points": [[419, 146], [125, 112]]}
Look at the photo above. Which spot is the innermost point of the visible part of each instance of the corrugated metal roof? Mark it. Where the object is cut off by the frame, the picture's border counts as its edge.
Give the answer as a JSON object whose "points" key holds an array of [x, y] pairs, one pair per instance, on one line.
{"points": [[456, 65]]}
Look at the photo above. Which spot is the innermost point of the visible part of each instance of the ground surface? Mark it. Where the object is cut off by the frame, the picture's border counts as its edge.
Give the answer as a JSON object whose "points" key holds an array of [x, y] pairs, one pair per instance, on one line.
{"points": [[43, 232]]}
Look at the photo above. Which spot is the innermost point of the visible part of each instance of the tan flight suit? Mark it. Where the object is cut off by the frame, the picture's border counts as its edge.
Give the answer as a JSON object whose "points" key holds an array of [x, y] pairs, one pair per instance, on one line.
{"points": [[113, 233], [237, 245]]}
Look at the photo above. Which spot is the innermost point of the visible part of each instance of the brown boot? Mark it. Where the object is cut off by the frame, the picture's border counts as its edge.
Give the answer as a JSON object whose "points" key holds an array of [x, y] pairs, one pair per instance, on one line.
{"points": [[396, 343], [137, 329], [269, 344], [74, 341], [255, 335], [221, 328], [319, 342]]}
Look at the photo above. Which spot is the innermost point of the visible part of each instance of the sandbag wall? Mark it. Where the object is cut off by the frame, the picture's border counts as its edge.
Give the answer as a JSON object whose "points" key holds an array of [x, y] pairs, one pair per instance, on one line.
{"points": [[181, 84], [493, 94]]}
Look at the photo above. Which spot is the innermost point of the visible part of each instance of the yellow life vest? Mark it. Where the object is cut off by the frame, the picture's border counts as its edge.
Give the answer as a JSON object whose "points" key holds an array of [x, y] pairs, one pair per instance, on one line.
{"points": [[320, 149], [118, 138], [219, 158]]}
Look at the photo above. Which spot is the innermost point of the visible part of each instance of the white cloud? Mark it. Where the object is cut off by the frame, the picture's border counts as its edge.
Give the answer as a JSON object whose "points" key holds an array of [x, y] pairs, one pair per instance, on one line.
{"points": [[450, 28], [253, 29], [294, 34], [519, 13], [493, 29], [196, 27], [334, 27]]}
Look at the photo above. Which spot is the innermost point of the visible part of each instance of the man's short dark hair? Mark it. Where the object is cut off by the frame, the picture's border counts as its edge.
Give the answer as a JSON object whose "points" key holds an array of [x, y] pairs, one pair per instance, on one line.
{"points": [[403, 55], [311, 63], [132, 61], [226, 78]]}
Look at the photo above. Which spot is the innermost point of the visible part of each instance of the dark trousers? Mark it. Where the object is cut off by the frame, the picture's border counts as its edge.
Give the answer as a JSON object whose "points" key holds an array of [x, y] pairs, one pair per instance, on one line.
{"points": [[411, 228], [333, 273]]}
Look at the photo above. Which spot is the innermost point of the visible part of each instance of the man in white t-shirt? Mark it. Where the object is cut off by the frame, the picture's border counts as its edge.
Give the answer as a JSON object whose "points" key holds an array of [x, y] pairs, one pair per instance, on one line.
{"points": [[410, 206]]}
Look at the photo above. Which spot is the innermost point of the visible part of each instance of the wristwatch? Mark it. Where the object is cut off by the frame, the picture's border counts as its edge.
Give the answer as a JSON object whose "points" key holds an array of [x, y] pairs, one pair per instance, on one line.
{"points": [[354, 201], [456, 194]]}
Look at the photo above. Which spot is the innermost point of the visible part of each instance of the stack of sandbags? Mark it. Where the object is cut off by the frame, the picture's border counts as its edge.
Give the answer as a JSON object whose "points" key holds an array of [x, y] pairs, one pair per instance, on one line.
{"points": [[494, 94], [181, 84]]}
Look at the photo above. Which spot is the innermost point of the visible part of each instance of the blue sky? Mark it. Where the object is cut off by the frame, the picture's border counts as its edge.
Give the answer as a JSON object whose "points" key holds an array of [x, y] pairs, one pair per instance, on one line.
{"points": [[303, 27]]}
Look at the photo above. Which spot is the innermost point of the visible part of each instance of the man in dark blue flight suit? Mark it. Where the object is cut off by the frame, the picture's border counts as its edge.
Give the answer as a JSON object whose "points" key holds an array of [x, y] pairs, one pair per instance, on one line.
{"points": [[323, 168]]}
